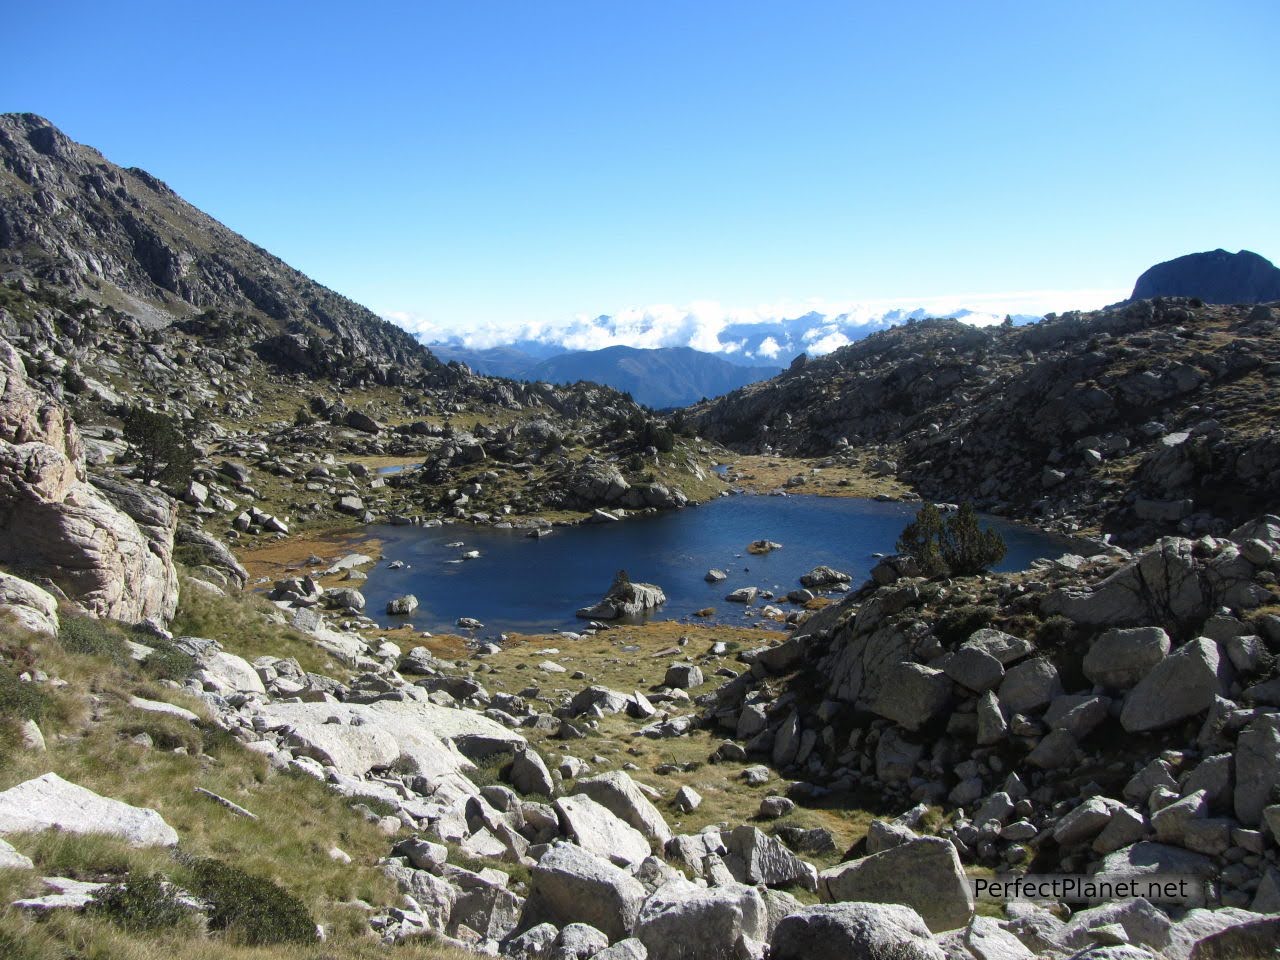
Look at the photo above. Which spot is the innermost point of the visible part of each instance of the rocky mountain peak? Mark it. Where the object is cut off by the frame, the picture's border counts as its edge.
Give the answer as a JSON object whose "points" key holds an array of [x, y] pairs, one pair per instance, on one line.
{"points": [[123, 238], [1214, 276]]}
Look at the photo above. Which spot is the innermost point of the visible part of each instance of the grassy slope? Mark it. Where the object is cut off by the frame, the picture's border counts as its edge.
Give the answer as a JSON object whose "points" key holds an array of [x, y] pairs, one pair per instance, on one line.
{"points": [[88, 725]]}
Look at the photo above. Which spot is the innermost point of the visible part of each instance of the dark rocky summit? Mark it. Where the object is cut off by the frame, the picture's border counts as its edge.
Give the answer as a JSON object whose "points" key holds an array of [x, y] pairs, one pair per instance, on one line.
{"points": [[1214, 276]]}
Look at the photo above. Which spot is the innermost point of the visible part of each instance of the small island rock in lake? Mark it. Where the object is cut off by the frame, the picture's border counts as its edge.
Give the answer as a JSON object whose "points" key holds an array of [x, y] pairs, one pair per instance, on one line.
{"points": [[625, 599]]}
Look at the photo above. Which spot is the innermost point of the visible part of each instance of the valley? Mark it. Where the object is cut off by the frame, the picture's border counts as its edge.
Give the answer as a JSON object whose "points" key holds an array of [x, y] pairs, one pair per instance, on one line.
{"points": [[359, 677]]}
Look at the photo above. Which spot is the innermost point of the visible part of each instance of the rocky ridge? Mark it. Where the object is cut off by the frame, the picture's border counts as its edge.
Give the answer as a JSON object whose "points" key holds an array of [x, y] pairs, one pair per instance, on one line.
{"points": [[1149, 418]]}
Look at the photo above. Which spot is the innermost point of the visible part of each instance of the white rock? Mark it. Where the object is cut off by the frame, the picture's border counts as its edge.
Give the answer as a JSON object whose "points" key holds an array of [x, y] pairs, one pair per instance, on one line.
{"points": [[49, 802]]}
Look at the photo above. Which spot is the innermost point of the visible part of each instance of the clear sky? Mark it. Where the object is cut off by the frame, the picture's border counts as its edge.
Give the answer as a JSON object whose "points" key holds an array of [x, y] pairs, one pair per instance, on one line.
{"points": [[499, 162]]}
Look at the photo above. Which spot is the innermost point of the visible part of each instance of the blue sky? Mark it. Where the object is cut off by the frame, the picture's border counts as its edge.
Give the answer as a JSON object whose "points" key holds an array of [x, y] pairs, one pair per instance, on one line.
{"points": [[481, 163]]}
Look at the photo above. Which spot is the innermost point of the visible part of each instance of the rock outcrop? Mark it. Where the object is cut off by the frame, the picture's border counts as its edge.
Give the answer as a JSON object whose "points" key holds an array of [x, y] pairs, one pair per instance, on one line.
{"points": [[115, 559]]}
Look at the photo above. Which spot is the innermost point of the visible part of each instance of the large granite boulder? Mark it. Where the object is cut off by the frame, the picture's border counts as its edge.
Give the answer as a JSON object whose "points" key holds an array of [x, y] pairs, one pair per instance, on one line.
{"points": [[571, 885], [841, 931], [682, 921], [1121, 657], [1181, 685], [595, 828], [923, 874], [618, 792], [115, 559], [51, 803]]}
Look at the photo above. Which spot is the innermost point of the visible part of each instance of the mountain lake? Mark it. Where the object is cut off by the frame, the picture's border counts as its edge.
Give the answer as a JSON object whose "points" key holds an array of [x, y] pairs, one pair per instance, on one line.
{"points": [[527, 585]]}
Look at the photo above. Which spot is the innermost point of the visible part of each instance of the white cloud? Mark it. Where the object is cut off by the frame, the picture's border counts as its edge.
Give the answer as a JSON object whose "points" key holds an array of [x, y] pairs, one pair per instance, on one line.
{"points": [[701, 323], [769, 348]]}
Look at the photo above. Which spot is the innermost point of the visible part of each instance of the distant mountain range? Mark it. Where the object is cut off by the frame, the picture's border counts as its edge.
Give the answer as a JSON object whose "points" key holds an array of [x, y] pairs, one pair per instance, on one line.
{"points": [[660, 378]]}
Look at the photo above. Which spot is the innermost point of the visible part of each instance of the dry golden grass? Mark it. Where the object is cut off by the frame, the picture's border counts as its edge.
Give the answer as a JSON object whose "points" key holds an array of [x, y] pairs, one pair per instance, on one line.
{"points": [[762, 474]]}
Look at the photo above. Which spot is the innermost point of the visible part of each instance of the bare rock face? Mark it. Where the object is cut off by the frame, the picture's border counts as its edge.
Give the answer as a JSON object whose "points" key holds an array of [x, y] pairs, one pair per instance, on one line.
{"points": [[116, 560]]}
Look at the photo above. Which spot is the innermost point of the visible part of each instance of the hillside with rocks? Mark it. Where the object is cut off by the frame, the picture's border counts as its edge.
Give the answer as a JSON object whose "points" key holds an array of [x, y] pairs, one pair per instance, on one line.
{"points": [[1152, 417], [725, 796]]}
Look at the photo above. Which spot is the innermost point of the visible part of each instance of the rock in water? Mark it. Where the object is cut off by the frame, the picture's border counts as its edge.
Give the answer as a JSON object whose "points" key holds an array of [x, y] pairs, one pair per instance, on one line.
{"points": [[51, 803], [625, 599]]}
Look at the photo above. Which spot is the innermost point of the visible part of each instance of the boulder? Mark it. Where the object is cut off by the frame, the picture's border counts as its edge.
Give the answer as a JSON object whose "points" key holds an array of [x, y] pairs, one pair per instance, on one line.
{"points": [[51, 803], [572, 885], [844, 931], [11, 859], [529, 773], [681, 921], [974, 669], [755, 857], [683, 676], [1257, 768], [1029, 686], [913, 695], [1180, 686], [596, 829], [996, 643], [825, 578], [622, 797], [30, 607], [924, 874], [625, 599], [402, 606], [1119, 658]]}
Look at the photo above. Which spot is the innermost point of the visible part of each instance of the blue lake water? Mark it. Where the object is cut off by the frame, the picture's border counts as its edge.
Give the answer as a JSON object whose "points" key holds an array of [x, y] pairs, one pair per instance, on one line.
{"points": [[526, 585]]}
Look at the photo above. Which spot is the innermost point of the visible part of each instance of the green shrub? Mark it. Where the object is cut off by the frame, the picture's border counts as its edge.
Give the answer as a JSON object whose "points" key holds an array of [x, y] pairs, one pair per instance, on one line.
{"points": [[19, 700], [251, 909], [140, 904], [93, 638], [957, 546], [167, 662], [956, 626]]}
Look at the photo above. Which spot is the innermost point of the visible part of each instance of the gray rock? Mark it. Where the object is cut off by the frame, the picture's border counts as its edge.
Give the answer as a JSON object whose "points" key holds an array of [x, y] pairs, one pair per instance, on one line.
{"points": [[1029, 686], [529, 773], [913, 695], [596, 829], [625, 599], [1005, 647], [572, 885], [1125, 827], [1170, 822], [1181, 685], [974, 668], [687, 799], [754, 857], [1056, 751], [924, 874], [578, 941], [681, 921], [11, 859], [896, 757], [845, 931], [402, 606], [683, 676], [988, 940], [629, 949], [1143, 922], [621, 796], [51, 803], [1084, 822], [1257, 768]]}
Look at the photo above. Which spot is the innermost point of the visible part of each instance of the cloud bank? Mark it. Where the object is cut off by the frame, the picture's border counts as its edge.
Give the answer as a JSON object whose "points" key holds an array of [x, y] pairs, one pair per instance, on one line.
{"points": [[768, 333]]}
